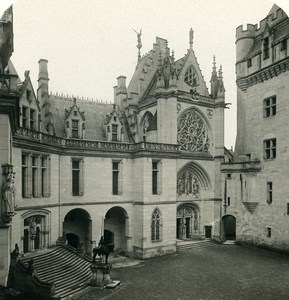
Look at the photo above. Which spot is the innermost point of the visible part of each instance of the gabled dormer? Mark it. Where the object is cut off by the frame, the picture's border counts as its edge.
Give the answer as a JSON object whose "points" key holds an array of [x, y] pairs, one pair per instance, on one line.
{"points": [[114, 127], [29, 106], [74, 122]]}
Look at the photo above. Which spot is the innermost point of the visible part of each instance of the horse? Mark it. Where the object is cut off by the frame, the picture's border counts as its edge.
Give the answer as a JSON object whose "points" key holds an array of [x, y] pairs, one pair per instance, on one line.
{"points": [[105, 250]]}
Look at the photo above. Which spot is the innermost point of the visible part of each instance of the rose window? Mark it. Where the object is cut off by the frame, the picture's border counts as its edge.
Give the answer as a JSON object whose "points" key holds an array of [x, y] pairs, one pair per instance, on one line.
{"points": [[193, 133]]}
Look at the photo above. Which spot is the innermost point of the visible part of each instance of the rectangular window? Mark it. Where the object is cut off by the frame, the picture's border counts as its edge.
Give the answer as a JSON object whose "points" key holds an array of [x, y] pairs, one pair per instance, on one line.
{"points": [[74, 129], [34, 176], [75, 177], [266, 48], [44, 176], [115, 178], [270, 149], [229, 201], [24, 159], [249, 62], [269, 192], [283, 45], [155, 177], [287, 208], [32, 119], [269, 105], [269, 232], [24, 117], [114, 133]]}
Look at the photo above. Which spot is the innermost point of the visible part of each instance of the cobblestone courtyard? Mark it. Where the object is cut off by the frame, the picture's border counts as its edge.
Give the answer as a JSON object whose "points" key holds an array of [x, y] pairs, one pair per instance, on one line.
{"points": [[221, 272]]}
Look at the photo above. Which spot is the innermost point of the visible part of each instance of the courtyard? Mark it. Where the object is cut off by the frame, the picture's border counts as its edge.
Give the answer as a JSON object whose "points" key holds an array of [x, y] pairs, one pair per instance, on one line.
{"points": [[218, 272]]}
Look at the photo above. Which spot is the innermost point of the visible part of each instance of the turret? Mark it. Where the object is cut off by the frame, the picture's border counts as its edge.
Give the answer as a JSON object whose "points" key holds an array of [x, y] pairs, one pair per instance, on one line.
{"points": [[244, 41]]}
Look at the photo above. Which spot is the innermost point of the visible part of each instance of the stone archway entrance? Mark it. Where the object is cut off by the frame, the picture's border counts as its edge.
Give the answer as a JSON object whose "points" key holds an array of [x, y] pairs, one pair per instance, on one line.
{"points": [[77, 229], [116, 227], [229, 225], [187, 221]]}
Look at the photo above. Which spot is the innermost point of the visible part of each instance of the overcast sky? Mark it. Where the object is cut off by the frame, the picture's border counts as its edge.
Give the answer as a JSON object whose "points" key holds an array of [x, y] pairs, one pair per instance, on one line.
{"points": [[89, 43]]}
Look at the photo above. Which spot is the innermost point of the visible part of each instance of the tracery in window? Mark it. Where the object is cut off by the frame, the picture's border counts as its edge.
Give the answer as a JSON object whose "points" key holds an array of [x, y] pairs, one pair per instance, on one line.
{"points": [[190, 76], [193, 133], [156, 225]]}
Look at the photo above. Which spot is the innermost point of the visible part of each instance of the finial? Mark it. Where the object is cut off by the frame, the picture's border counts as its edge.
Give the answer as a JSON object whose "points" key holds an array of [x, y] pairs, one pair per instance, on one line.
{"points": [[220, 73], [191, 38], [139, 44], [214, 63]]}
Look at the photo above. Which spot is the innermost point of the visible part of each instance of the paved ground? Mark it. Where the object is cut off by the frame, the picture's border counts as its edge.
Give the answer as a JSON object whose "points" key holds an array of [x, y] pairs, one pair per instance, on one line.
{"points": [[222, 272]]}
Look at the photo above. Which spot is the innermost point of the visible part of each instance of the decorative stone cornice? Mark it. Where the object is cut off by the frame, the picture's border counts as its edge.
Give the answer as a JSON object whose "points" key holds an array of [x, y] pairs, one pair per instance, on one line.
{"points": [[264, 74]]}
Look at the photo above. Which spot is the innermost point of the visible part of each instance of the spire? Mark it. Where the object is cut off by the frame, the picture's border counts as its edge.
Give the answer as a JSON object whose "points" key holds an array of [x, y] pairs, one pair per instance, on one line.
{"points": [[191, 35], [214, 65]]}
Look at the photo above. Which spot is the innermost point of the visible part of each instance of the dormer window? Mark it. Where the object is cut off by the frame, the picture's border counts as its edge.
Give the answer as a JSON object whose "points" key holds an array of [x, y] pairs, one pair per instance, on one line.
{"points": [[266, 48], [24, 117], [75, 113], [114, 132], [190, 76], [32, 119], [74, 128], [28, 93], [249, 62]]}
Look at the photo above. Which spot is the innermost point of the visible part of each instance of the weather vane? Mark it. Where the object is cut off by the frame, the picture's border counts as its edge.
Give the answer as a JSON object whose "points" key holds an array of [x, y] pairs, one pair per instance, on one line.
{"points": [[139, 44]]}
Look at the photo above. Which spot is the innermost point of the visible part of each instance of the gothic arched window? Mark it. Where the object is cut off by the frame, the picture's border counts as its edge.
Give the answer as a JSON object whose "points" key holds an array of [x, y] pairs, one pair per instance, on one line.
{"points": [[190, 76], [156, 226], [193, 132]]}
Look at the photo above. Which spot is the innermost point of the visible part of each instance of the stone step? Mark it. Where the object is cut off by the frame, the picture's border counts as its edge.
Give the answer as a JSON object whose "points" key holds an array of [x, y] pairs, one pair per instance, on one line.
{"points": [[195, 245], [68, 271]]}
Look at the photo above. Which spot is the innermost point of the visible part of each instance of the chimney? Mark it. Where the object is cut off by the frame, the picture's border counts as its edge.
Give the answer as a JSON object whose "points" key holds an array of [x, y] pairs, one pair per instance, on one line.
{"points": [[120, 92], [43, 76]]}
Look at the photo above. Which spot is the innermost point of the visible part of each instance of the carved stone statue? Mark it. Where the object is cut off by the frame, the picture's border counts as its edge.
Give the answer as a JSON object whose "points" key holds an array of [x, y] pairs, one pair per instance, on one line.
{"points": [[8, 193], [32, 226], [196, 186]]}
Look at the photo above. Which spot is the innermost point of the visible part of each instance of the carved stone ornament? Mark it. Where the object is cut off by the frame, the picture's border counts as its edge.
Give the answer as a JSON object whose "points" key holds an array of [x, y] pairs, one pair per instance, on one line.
{"points": [[193, 133], [8, 193], [187, 184]]}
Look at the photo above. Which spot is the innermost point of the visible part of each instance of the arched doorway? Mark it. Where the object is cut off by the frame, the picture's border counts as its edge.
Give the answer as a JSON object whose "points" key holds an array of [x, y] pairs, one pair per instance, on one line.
{"points": [[116, 227], [77, 229], [187, 221], [229, 223]]}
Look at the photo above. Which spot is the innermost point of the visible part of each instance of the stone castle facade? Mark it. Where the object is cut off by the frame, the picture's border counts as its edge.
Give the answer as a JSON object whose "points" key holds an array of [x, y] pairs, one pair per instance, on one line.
{"points": [[143, 171], [256, 187]]}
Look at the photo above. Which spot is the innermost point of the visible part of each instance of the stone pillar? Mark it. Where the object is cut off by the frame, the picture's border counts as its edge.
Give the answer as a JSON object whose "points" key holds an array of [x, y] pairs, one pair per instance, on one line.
{"points": [[101, 273]]}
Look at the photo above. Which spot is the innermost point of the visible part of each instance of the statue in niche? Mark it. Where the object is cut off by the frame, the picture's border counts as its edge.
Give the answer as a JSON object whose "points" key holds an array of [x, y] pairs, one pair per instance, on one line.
{"points": [[8, 193], [32, 226], [196, 186], [180, 187], [188, 183]]}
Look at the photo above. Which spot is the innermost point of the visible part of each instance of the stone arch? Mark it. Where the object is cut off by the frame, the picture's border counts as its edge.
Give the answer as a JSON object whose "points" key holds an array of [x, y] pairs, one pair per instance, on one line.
{"points": [[188, 221], [117, 222], [194, 131], [191, 178], [36, 230], [77, 229]]}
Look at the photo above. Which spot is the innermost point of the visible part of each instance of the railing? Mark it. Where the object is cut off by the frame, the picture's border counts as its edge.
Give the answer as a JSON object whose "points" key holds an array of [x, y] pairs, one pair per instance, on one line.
{"points": [[44, 138], [8, 83]]}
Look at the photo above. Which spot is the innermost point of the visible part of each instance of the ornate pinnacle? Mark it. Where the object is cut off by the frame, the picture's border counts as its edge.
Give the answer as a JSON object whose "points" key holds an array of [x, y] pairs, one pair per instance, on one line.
{"points": [[220, 73], [191, 35], [214, 64], [139, 43]]}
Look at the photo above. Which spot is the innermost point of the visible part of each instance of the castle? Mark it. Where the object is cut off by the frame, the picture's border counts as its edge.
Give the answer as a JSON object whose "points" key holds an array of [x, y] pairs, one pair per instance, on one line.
{"points": [[150, 169]]}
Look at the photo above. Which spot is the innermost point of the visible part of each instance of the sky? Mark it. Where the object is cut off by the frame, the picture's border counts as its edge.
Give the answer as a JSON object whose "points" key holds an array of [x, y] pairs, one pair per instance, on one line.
{"points": [[89, 43]]}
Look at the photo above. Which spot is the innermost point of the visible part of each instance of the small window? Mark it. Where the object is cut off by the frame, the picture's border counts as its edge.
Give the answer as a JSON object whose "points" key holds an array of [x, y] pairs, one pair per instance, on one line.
{"points": [[249, 62], [32, 119], [74, 128], [287, 208], [269, 192], [229, 201], [269, 106], [35, 176], [266, 48], [269, 232], [155, 177], [115, 178], [283, 45], [24, 117], [75, 113], [229, 176], [270, 149], [28, 93], [114, 132]]}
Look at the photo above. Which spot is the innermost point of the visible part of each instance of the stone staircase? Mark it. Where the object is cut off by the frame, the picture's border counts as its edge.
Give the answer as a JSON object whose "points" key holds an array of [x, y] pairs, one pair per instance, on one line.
{"points": [[63, 267], [195, 245]]}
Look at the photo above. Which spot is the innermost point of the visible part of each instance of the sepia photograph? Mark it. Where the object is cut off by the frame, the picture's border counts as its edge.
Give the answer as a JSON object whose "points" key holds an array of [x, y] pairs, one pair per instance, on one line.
{"points": [[144, 149]]}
